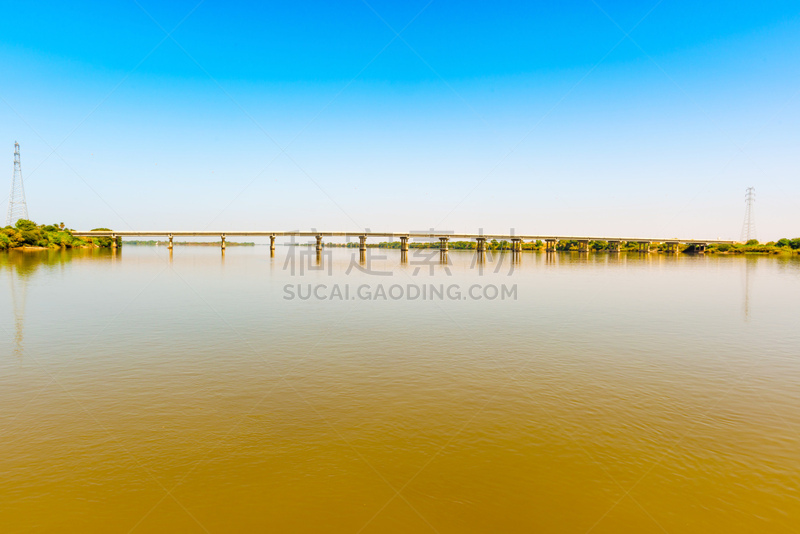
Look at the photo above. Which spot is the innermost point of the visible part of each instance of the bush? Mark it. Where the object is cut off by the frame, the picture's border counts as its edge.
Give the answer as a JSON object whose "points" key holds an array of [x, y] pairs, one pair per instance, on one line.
{"points": [[13, 236], [25, 224], [790, 243], [31, 237], [101, 241]]}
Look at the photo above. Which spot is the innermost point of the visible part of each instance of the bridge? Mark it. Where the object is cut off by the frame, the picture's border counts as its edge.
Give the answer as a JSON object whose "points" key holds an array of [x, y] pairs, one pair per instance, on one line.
{"points": [[550, 241]]}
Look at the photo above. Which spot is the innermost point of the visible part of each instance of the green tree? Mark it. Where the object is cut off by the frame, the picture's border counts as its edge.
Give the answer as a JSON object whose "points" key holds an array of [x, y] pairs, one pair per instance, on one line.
{"points": [[25, 224]]}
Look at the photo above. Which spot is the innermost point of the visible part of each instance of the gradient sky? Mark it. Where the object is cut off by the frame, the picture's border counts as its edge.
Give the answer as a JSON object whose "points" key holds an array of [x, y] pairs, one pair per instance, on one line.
{"points": [[581, 117]]}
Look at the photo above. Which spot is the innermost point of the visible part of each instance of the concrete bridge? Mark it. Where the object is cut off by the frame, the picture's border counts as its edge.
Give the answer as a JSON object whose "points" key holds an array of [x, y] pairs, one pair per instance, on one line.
{"points": [[644, 245]]}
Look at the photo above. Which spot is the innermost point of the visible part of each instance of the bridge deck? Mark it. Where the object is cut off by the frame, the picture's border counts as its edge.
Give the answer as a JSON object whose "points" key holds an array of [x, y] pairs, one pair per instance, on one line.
{"points": [[392, 235]]}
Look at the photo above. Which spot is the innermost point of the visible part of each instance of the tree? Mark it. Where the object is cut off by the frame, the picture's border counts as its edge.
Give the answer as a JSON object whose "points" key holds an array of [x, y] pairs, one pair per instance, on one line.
{"points": [[25, 224]]}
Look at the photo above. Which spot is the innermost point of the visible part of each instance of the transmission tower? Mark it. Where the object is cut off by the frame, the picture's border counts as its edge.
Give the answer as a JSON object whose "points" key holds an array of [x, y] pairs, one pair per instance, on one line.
{"points": [[749, 226], [17, 207]]}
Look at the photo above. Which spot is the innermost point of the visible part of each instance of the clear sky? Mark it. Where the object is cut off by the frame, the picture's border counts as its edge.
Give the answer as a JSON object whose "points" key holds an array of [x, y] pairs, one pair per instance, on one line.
{"points": [[579, 117]]}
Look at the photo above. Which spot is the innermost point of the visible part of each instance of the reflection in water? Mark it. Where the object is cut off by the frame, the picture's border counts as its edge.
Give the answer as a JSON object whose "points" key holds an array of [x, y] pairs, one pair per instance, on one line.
{"points": [[19, 290], [21, 265], [749, 263], [479, 261]]}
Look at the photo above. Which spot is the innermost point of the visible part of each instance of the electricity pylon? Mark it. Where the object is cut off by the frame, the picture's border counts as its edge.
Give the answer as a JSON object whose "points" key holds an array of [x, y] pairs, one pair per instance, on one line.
{"points": [[749, 225], [17, 207]]}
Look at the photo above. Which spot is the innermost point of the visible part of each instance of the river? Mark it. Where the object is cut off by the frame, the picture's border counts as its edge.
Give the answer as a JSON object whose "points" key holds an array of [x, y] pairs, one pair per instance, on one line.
{"points": [[241, 393]]}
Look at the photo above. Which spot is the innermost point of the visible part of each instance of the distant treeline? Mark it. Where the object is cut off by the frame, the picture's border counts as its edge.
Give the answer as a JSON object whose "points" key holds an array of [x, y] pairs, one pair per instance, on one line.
{"points": [[785, 246], [153, 243], [28, 234]]}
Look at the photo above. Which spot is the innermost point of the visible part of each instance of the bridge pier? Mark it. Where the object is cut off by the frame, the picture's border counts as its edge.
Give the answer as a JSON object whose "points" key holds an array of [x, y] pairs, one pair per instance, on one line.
{"points": [[480, 249], [222, 238], [583, 245], [319, 243], [516, 250], [113, 241], [644, 247], [169, 245], [272, 245], [443, 248], [672, 246], [362, 248], [614, 246], [403, 249], [550, 245]]}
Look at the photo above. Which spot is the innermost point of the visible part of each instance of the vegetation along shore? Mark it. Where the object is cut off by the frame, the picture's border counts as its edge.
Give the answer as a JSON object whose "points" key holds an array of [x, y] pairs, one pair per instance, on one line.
{"points": [[782, 246], [27, 234]]}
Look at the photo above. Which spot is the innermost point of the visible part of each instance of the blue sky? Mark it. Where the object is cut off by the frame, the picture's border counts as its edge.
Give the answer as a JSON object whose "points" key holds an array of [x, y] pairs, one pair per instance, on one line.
{"points": [[595, 117]]}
